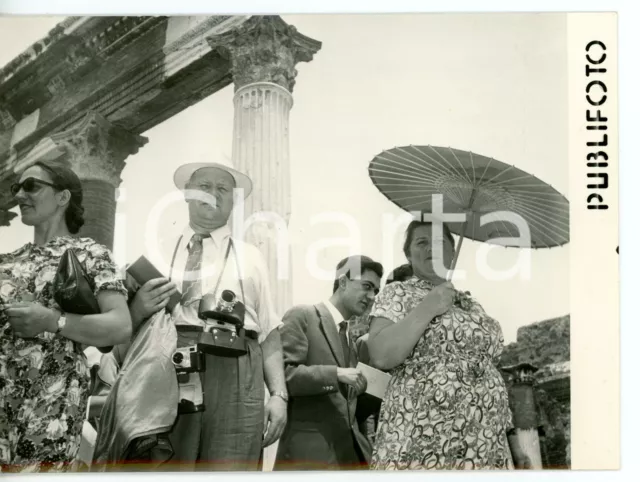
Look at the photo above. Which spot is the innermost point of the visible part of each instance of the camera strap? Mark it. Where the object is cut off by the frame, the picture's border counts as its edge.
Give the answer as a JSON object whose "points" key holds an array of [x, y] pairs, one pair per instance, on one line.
{"points": [[230, 245], [235, 254], [173, 258]]}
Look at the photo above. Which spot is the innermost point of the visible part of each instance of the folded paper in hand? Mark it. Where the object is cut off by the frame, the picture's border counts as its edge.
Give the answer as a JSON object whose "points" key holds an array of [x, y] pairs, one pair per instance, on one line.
{"points": [[377, 381], [143, 270]]}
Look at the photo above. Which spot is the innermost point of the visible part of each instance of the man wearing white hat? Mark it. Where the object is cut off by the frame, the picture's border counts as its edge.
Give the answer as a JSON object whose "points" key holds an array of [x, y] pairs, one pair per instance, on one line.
{"points": [[234, 426]]}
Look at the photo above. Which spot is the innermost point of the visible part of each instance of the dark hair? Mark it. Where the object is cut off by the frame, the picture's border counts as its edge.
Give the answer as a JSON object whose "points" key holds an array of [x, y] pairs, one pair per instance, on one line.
{"points": [[415, 224], [63, 178], [364, 262], [401, 273]]}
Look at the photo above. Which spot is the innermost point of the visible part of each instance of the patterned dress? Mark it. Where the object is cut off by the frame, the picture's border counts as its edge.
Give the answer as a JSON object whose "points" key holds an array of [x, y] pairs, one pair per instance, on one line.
{"points": [[446, 406], [44, 381]]}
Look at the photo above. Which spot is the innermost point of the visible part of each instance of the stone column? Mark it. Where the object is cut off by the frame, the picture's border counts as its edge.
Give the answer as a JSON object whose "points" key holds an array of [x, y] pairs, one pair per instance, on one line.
{"points": [[261, 149], [263, 52], [525, 414], [6, 217], [96, 150]]}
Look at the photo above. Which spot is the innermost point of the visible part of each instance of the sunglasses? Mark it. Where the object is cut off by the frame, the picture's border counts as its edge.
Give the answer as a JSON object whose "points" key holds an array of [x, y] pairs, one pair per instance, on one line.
{"points": [[29, 185]]}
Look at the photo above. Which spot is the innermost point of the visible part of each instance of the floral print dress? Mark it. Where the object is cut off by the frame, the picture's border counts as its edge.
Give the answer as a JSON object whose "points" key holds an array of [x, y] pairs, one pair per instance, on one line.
{"points": [[44, 381], [446, 406]]}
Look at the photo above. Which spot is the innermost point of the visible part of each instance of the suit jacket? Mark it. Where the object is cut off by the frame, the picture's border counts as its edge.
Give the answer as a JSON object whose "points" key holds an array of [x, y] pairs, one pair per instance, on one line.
{"points": [[321, 431]]}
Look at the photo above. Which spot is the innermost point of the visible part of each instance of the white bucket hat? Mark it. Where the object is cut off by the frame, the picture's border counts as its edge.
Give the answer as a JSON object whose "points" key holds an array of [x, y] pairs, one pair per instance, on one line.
{"points": [[183, 174]]}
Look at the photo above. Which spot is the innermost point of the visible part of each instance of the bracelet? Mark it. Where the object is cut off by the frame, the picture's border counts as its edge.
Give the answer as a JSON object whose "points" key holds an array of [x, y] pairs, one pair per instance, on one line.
{"points": [[282, 395], [60, 322]]}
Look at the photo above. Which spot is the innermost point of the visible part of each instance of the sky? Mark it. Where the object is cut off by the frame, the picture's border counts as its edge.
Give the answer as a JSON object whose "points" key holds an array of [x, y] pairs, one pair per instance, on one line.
{"points": [[495, 84]]}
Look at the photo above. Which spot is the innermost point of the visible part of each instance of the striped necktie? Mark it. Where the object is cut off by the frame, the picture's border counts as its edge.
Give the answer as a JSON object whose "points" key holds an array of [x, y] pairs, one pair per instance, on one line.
{"points": [[192, 282]]}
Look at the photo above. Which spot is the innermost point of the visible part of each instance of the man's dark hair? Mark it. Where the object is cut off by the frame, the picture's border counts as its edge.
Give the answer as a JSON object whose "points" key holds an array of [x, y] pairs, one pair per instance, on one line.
{"points": [[353, 263], [411, 229]]}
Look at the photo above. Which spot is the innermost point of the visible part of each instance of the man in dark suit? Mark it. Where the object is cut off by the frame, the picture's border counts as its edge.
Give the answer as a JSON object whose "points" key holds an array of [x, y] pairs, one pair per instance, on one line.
{"points": [[322, 381]]}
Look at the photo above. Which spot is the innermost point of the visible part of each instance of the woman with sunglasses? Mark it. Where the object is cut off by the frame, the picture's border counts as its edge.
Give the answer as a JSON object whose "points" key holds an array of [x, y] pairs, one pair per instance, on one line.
{"points": [[44, 376]]}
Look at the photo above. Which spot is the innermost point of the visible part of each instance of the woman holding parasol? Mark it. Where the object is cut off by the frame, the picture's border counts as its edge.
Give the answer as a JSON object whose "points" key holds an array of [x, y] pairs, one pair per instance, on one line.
{"points": [[446, 406]]}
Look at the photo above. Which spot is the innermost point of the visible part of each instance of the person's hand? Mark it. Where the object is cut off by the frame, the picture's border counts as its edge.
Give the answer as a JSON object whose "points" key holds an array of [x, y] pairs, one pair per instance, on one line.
{"points": [[521, 461], [525, 463], [152, 297], [439, 299], [30, 319], [361, 386], [354, 378], [275, 419]]}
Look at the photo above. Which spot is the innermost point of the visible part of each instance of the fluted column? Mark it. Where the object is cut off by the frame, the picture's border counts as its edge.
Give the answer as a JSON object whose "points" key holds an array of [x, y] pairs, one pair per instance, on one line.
{"points": [[261, 149], [263, 52], [96, 150], [525, 413]]}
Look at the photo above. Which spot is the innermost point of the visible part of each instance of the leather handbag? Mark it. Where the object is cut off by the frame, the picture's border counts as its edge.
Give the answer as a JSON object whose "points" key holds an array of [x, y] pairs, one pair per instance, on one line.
{"points": [[71, 288], [73, 291]]}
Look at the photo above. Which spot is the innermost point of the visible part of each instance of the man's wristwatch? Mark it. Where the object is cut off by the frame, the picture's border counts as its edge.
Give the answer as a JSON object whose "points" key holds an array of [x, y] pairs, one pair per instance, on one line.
{"points": [[282, 395], [62, 321]]}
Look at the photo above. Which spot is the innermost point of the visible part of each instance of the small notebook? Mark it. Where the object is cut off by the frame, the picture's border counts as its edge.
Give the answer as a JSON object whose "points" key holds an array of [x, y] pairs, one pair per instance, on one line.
{"points": [[143, 270], [377, 380]]}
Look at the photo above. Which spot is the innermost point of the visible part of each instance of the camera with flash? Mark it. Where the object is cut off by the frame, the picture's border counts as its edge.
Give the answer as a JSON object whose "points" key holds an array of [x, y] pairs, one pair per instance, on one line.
{"points": [[223, 317], [188, 360]]}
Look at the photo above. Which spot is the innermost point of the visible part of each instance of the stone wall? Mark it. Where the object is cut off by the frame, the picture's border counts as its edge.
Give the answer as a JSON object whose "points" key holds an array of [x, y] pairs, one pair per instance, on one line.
{"points": [[555, 418], [540, 344], [547, 346]]}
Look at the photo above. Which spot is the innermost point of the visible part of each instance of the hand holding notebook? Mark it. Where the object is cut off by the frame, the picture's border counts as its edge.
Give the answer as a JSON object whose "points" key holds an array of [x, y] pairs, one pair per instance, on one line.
{"points": [[377, 380], [143, 270]]}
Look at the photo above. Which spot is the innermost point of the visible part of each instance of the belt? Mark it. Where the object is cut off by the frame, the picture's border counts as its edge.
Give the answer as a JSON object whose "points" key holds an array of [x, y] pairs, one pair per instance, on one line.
{"points": [[195, 328]]}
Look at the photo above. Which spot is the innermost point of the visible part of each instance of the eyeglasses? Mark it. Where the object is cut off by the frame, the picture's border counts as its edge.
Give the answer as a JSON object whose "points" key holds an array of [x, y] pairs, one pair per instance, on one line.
{"points": [[29, 185], [366, 286]]}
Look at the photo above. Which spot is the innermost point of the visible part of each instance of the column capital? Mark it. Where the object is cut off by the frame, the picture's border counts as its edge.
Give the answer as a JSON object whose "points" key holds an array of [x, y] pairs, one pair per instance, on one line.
{"points": [[97, 149], [264, 49], [94, 148], [6, 216]]}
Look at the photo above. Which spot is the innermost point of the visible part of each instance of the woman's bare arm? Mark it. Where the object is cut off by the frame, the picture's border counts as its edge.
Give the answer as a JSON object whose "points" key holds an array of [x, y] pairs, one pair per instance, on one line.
{"points": [[110, 327], [391, 343]]}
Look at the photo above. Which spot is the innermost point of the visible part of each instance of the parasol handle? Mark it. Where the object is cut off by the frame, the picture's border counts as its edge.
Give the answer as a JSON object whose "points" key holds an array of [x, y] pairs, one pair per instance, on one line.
{"points": [[455, 257], [472, 198]]}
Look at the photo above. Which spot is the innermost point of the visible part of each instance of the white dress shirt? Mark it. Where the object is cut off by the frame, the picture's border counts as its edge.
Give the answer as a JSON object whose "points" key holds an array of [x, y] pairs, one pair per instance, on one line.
{"points": [[249, 265], [337, 317]]}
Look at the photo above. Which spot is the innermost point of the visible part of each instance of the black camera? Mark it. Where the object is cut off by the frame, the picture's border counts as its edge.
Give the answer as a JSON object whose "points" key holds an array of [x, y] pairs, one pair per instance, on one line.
{"points": [[223, 317], [188, 360]]}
